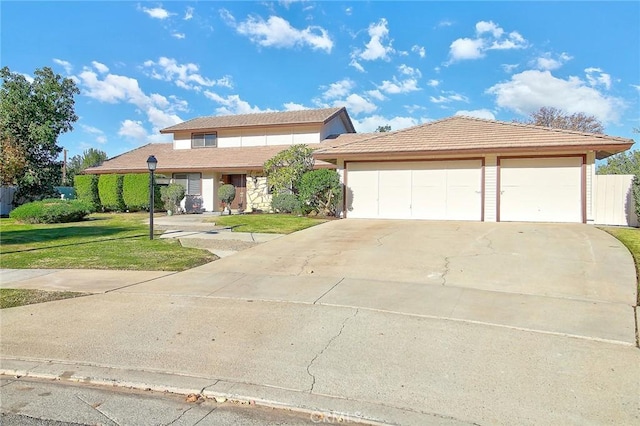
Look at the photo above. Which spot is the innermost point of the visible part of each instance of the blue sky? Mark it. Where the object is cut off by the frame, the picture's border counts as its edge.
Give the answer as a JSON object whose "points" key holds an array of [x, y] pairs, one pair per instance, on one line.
{"points": [[143, 66]]}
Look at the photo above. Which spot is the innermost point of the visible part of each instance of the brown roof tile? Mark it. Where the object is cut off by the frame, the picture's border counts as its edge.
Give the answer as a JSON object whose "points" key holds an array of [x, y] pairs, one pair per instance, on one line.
{"points": [[169, 159], [307, 116], [466, 134]]}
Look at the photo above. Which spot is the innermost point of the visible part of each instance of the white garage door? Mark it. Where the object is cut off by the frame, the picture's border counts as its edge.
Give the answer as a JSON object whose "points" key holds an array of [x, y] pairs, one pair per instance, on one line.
{"points": [[541, 189], [437, 190]]}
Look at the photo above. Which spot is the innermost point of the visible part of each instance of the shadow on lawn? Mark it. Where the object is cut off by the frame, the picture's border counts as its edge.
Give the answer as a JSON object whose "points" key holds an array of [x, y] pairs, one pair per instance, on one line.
{"points": [[60, 234]]}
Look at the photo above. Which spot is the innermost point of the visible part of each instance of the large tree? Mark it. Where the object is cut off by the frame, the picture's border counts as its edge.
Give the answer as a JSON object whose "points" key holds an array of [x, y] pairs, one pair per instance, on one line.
{"points": [[33, 114], [286, 168], [78, 163], [554, 117]]}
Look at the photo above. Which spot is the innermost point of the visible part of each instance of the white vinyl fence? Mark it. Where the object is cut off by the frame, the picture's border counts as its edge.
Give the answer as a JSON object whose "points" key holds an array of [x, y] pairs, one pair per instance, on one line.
{"points": [[613, 201], [6, 199]]}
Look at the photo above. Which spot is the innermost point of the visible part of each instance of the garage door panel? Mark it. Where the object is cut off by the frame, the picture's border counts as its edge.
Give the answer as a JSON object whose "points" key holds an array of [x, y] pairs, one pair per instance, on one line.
{"points": [[541, 189], [437, 190], [362, 201]]}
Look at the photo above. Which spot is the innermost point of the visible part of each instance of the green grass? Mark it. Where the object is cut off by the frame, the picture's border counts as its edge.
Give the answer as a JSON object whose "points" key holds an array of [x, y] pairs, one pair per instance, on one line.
{"points": [[10, 298], [105, 241], [268, 223], [630, 237]]}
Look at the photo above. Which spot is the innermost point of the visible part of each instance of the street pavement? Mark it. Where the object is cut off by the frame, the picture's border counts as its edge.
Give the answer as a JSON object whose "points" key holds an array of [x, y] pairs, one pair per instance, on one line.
{"points": [[395, 322]]}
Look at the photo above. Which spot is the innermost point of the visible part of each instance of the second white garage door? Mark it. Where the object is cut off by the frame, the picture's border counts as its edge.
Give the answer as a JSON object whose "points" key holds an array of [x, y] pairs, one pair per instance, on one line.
{"points": [[541, 189], [436, 190]]}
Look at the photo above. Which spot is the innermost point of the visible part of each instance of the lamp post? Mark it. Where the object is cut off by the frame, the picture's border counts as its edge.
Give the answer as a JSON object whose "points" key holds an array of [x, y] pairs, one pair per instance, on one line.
{"points": [[152, 163]]}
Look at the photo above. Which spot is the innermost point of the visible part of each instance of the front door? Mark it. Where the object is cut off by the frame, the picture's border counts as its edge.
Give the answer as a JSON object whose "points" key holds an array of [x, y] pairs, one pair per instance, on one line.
{"points": [[240, 183]]}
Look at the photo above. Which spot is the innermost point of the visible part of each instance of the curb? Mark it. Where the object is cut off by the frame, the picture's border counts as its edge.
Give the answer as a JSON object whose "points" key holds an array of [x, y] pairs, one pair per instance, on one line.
{"points": [[320, 408]]}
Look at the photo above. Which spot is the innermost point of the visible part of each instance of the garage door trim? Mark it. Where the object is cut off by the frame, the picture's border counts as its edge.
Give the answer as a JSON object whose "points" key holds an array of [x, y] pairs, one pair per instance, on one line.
{"points": [[416, 160], [583, 179]]}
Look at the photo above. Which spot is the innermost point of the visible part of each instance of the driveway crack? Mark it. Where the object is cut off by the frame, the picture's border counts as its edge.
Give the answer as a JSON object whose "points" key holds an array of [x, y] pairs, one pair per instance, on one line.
{"points": [[180, 416], [95, 407], [313, 377], [447, 262]]}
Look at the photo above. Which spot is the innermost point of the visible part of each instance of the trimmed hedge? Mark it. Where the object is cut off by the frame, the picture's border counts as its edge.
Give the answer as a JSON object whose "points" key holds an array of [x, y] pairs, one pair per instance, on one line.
{"points": [[53, 210], [135, 191], [86, 187], [285, 203], [110, 192]]}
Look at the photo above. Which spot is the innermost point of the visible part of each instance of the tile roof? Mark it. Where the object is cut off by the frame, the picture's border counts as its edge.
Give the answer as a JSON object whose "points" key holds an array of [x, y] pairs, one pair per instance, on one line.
{"points": [[307, 116], [220, 159], [465, 134]]}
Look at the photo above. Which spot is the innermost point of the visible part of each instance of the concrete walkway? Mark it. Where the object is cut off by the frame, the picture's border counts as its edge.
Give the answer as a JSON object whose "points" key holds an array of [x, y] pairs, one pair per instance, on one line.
{"points": [[460, 330]]}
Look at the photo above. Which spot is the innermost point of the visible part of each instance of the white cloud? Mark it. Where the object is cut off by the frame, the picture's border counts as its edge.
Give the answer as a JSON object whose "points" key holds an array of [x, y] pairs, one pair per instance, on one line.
{"points": [[112, 88], [509, 68], [292, 106], [445, 23], [102, 68], [371, 123], [396, 86], [157, 12], [185, 76], [530, 90], [636, 86], [376, 48], [433, 83], [179, 36], [133, 130], [547, 62], [466, 48], [419, 50], [407, 70], [64, 64], [477, 113], [232, 104], [447, 97], [338, 89], [489, 36], [596, 77], [278, 32], [356, 65], [376, 94], [348, 11], [356, 104], [99, 134], [188, 14]]}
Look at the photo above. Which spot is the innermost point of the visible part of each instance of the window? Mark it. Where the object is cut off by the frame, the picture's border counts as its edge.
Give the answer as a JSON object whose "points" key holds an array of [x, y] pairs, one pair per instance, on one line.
{"points": [[201, 140], [190, 181]]}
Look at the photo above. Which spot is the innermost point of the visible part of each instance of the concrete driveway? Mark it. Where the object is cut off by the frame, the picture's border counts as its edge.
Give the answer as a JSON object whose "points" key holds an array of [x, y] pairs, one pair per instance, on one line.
{"points": [[395, 321]]}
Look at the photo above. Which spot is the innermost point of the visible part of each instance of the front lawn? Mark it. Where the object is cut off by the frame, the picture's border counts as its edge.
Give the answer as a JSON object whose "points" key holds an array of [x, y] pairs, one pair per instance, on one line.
{"points": [[104, 241], [630, 237], [10, 298], [268, 223]]}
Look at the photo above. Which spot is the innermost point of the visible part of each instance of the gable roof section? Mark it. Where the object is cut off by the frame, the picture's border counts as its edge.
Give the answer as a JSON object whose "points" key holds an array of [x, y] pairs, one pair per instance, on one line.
{"points": [[461, 135], [306, 116], [214, 159]]}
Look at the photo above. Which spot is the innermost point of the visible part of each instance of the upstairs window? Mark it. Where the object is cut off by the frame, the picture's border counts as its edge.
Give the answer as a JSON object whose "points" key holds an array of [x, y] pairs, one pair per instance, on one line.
{"points": [[201, 140]]}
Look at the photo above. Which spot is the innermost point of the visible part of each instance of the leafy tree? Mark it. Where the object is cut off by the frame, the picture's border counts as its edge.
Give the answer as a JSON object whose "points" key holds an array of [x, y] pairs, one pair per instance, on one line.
{"points": [[321, 190], [383, 129], [171, 196], [89, 158], [624, 163], [226, 194], [286, 168], [556, 118], [32, 116], [12, 161]]}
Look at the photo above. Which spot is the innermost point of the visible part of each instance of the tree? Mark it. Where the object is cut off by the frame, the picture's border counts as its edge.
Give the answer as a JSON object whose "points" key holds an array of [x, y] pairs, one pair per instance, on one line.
{"points": [[556, 118], [89, 158], [32, 117], [12, 161], [286, 168], [383, 129], [321, 190], [624, 163]]}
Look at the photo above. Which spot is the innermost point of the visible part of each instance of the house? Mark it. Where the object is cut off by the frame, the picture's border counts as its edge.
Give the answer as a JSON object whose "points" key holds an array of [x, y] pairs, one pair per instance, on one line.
{"points": [[208, 152], [458, 168], [463, 168]]}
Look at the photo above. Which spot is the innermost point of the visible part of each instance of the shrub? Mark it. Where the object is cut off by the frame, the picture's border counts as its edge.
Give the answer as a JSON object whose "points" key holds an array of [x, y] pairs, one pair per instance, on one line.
{"points": [[227, 193], [285, 203], [135, 191], [171, 195], [53, 211], [110, 192], [321, 190], [86, 187]]}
